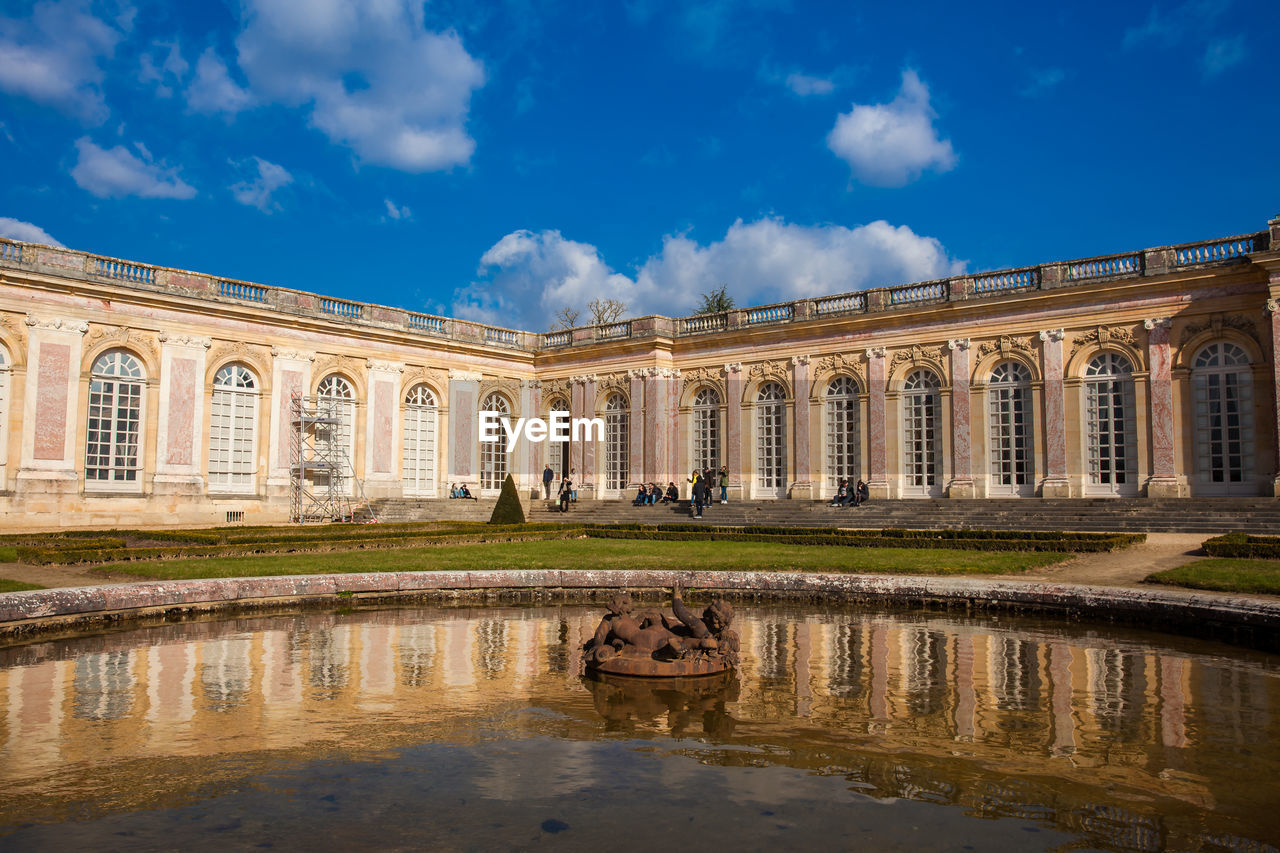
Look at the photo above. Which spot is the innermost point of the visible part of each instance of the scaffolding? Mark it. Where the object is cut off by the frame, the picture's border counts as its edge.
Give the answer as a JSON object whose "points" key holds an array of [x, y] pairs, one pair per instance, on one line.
{"points": [[322, 480]]}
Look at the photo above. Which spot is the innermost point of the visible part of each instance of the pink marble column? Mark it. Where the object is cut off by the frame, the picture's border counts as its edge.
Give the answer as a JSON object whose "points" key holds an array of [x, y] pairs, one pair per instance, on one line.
{"points": [[961, 485], [1055, 417], [802, 487], [530, 407], [655, 435], [1273, 307], [577, 409], [1163, 482], [464, 428], [636, 454], [52, 377], [671, 384], [878, 485], [733, 429], [590, 444]]}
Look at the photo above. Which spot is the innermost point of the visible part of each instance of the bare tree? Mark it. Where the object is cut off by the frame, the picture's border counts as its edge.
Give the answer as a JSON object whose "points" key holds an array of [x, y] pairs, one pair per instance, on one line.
{"points": [[606, 310], [567, 318], [716, 301]]}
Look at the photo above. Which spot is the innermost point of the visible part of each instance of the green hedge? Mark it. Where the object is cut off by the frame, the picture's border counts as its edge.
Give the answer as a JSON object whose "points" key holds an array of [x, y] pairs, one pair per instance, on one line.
{"points": [[872, 539], [1243, 545]]}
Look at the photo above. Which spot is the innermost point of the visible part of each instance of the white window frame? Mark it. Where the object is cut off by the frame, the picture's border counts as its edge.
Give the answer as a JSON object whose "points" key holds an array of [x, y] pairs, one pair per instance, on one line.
{"points": [[421, 426], [1225, 440], [494, 459], [5, 385], [1010, 432], [1110, 429], [617, 423], [233, 430], [705, 435], [771, 441], [117, 384], [844, 428], [337, 394], [923, 469]]}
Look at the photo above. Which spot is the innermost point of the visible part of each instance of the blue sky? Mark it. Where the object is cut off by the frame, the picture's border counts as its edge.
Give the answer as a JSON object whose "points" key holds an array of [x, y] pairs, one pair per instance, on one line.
{"points": [[500, 160]]}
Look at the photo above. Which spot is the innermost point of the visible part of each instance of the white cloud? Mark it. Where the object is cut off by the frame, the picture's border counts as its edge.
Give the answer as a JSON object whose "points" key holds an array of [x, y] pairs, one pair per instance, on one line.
{"points": [[213, 91], [54, 57], [1042, 80], [373, 78], [1169, 28], [16, 229], [395, 211], [117, 172], [164, 73], [527, 276], [890, 145], [257, 192], [1222, 53], [804, 84]]}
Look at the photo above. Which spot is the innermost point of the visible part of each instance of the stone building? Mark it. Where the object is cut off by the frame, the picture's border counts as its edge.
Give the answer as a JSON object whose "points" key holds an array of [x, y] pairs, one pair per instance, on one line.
{"points": [[136, 393]]}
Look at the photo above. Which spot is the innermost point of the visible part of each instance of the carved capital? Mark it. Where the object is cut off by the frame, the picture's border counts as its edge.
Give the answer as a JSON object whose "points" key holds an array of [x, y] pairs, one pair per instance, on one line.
{"points": [[57, 324], [640, 373], [464, 376], [799, 360], [532, 384], [1053, 335], [384, 366], [185, 340], [876, 352], [1158, 323], [736, 366], [958, 344], [1272, 307], [292, 354]]}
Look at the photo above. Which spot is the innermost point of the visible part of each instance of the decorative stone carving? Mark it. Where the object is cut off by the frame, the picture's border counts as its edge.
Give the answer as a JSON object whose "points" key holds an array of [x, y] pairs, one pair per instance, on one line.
{"points": [[876, 352], [292, 354], [1102, 336], [343, 364], [1053, 335], [610, 383], [16, 328], [239, 351], [701, 376], [552, 388], [733, 367], [437, 379], [57, 323], [1158, 323], [1218, 322], [775, 370], [508, 388], [185, 340], [1006, 344], [958, 344], [384, 366], [917, 355], [797, 360], [464, 376], [840, 362], [1272, 306], [125, 337]]}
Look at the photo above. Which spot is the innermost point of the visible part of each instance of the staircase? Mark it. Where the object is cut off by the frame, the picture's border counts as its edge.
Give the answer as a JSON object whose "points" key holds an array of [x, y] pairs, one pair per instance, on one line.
{"points": [[392, 510]]}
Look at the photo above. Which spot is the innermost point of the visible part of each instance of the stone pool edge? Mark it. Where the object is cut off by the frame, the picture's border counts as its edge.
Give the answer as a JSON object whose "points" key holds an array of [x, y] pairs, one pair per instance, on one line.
{"points": [[1241, 620]]}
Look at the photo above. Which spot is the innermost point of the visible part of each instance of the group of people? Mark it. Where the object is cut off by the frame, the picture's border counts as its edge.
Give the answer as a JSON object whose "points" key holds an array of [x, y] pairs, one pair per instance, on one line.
{"points": [[567, 494], [649, 494], [848, 495], [461, 491], [703, 484]]}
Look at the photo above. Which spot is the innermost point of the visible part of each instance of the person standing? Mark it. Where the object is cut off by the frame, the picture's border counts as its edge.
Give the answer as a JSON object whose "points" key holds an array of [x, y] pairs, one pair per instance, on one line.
{"points": [[724, 484], [566, 493], [547, 476]]}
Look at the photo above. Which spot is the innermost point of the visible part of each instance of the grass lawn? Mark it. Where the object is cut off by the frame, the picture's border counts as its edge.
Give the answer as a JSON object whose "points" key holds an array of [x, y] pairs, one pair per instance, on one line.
{"points": [[7, 585], [603, 554], [8, 554], [1225, 574]]}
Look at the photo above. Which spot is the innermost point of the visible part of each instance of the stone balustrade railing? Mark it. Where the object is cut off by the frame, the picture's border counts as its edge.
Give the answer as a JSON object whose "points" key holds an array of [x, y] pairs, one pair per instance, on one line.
{"points": [[73, 264]]}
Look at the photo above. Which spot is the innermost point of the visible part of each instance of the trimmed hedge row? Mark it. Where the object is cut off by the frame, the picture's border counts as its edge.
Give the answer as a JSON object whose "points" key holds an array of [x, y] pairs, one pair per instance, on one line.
{"points": [[47, 556], [873, 540], [1243, 545]]}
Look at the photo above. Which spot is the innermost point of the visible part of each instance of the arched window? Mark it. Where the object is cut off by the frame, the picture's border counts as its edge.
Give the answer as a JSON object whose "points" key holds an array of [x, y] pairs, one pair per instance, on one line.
{"points": [[557, 451], [4, 411], [113, 453], [1223, 387], [617, 421], [1009, 428], [1111, 431], [706, 429], [922, 435], [844, 451], [336, 398], [493, 454], [771, 440], [418, 467], [233, 428]]}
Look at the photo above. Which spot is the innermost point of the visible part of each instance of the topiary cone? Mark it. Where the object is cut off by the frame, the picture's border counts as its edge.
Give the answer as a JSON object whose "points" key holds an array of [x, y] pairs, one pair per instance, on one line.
{"points": [[508, 509]]}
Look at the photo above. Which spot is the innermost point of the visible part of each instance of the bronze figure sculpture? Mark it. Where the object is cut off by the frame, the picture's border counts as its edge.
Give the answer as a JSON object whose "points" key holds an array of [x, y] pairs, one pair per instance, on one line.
{"points": [[652, 644]]}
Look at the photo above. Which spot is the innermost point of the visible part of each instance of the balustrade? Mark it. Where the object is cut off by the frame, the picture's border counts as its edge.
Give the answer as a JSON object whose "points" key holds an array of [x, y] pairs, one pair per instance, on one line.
{"points": [[1007, 280], [341, 308], [427, 323], [846, 304], [1104, 267], [1217, 250], [124, 271], [501, 336], [613, 330], [557, 339], [771, 314], [704, 323], [911, 293], [241, 290], [10, 251]]}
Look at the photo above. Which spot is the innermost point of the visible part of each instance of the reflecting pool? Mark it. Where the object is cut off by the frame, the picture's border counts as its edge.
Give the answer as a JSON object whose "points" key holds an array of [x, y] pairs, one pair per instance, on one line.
{"points": [[471, 729]]}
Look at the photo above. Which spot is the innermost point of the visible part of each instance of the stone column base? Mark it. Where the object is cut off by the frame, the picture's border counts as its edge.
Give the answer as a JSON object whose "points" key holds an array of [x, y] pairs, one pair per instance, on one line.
{"points": [[801, 491], [178, 485], [1275, 487], [37, 481], [878, 490], [1163, 487], [1055, 489], [962, 489]]}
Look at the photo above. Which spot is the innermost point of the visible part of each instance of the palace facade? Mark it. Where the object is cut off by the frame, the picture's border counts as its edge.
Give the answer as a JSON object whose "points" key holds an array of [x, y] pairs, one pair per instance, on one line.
{"points": [[131, 393]]}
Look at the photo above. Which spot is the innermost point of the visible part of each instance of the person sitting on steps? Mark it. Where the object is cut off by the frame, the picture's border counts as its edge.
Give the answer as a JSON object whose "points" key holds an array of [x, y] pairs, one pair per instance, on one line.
{"points": [[842, 494]]}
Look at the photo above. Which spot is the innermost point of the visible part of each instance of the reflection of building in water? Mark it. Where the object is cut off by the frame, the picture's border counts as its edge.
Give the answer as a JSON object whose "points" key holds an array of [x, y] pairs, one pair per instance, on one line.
{"points": [[1087, 710]]}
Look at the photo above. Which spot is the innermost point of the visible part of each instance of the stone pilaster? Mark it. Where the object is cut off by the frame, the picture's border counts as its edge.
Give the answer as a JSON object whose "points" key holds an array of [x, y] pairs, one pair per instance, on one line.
{"points": [[464, 429], [290, 379], [636, 451], [179, 451], [382, 429], [529, 455], [49, 456], [878, 460], [671, 419], [1163, 482], [583, 454], [1273, 308], [961, 485], [802, 487], [733, 429], [1055, 483]]}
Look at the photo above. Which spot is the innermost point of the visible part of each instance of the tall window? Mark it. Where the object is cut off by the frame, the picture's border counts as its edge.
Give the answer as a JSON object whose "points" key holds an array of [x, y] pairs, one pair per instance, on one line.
{"points": [[4, 410], [493, 454], [844, 454], [617, 423], [771, 459], [418, 469], [557, 451], [706, 429], [1111, 431], [1223, 388], [337, 398], [921, 435], [1009, 426], [113, 456], [233, 419]]}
